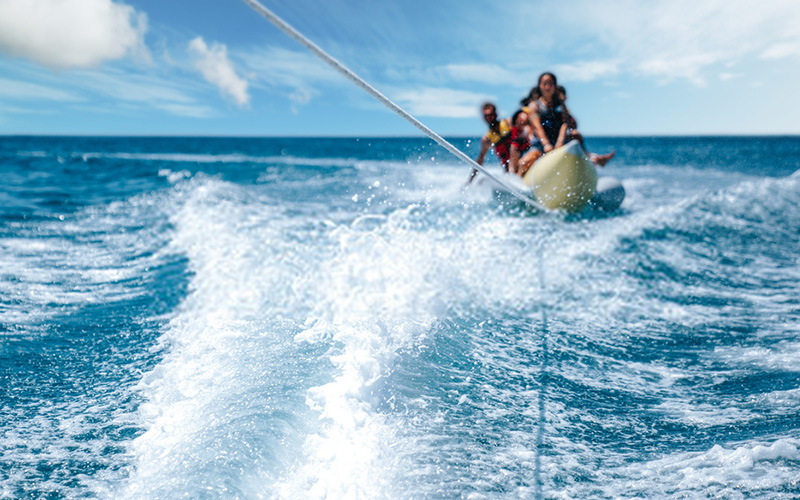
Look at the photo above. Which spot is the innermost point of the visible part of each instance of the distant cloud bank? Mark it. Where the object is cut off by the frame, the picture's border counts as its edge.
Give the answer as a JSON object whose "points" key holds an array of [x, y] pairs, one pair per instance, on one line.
{"points": [[67, 34]]}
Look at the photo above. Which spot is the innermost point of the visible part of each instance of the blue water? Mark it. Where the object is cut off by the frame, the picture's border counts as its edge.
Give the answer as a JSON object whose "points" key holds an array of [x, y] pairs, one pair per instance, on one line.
{"points": [[336, 318]]}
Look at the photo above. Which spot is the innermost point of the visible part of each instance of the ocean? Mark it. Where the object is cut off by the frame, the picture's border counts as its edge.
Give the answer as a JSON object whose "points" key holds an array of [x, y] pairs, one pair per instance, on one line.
{"points": [[292, 318]]}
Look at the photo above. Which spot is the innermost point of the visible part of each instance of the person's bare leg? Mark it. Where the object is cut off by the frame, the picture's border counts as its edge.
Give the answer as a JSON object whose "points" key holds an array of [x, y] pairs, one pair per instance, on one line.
{"points": [[527, 160], [601, 160]]}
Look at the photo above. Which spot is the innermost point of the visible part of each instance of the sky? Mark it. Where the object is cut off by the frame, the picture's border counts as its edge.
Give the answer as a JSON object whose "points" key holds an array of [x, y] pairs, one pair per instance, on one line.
{"points": [[217, 68]]}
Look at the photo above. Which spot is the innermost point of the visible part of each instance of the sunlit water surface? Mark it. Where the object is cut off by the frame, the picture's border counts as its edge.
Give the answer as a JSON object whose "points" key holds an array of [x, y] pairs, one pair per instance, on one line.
{"points": [[336, 318]]}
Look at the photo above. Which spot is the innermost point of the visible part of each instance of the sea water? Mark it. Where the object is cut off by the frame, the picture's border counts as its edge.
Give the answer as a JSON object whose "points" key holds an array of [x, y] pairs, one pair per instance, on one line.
{"points": [[338, 318]]}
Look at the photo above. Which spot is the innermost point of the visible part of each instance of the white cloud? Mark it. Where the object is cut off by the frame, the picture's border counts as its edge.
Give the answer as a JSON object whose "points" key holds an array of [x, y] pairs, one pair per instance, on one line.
{"points": [[782, 50], [668, 39], [216, 68], [155, 92], [16, 110], [14, 89], [673, 67], [729, 76], [279, 67], [586, 71], [192, 111], [64, 34], [440, 102], [108, 89], [482, 73], [123, 86], [298, 74], [300, 97]]}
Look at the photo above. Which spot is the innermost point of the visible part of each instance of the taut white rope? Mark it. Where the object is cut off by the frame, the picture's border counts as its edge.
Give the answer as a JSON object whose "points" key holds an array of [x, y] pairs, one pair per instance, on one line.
{"points": [[369, 89]]}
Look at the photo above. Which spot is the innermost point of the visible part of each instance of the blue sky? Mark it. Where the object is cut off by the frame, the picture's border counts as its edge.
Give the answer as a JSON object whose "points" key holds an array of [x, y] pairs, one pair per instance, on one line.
{"points": [[203, 67]]}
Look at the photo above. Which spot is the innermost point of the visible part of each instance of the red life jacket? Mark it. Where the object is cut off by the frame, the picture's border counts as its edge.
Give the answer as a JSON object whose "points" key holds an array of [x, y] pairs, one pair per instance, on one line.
{"points": [[501, 140], [522, 140]]}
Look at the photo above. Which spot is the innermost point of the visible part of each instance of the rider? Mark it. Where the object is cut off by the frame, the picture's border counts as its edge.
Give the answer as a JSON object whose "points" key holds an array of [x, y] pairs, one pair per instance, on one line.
{"points": [[522, 154], [552, 122], [573, 134], [499, 136], [548, 114]]}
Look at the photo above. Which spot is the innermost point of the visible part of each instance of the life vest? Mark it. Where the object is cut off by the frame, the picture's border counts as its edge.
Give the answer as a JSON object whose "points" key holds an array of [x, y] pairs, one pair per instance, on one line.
{"points": [[551, 119], [521, 140], [501, 140]]}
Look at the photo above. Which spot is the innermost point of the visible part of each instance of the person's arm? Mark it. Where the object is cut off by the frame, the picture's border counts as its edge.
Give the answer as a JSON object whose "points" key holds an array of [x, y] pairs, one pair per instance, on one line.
{"points": [[538, 130], [485, 145], [562, 134], [513, 162]]}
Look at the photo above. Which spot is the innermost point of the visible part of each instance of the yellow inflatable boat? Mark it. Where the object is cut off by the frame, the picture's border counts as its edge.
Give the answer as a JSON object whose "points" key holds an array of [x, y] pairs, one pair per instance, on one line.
{"points": [[563, 179]]}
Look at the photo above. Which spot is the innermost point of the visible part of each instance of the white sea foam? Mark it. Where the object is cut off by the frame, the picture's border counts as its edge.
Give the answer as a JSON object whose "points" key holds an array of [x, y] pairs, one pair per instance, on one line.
{"points": [[365, 295], [378, 297], [33, 154], [59, 275], [752, 470], [784, 357], [62, 434], [226, 402], [704, 414], [90, 259], [174, 176], [203, 158]]}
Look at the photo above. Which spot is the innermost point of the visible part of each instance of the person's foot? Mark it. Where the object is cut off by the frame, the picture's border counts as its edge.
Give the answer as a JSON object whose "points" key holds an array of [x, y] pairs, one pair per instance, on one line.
{"points": [[601, 160]]}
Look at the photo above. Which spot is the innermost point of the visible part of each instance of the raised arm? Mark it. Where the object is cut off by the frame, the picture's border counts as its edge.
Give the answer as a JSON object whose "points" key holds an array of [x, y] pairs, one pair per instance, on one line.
{"points": [[513, 161], [562, 131], [562, 135], [485, 145], [538, 131], [537, 128]]}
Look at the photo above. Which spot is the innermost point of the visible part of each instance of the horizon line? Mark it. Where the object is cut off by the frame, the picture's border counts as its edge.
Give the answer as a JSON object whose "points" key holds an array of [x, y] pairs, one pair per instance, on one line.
{"points": [[388, 136]]}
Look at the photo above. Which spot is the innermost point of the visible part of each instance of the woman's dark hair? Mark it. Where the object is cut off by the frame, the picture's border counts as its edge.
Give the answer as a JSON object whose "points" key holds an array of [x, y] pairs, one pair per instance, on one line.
{"points": [[546, 73], [533, 95], [514, 118], [538, 88]]}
